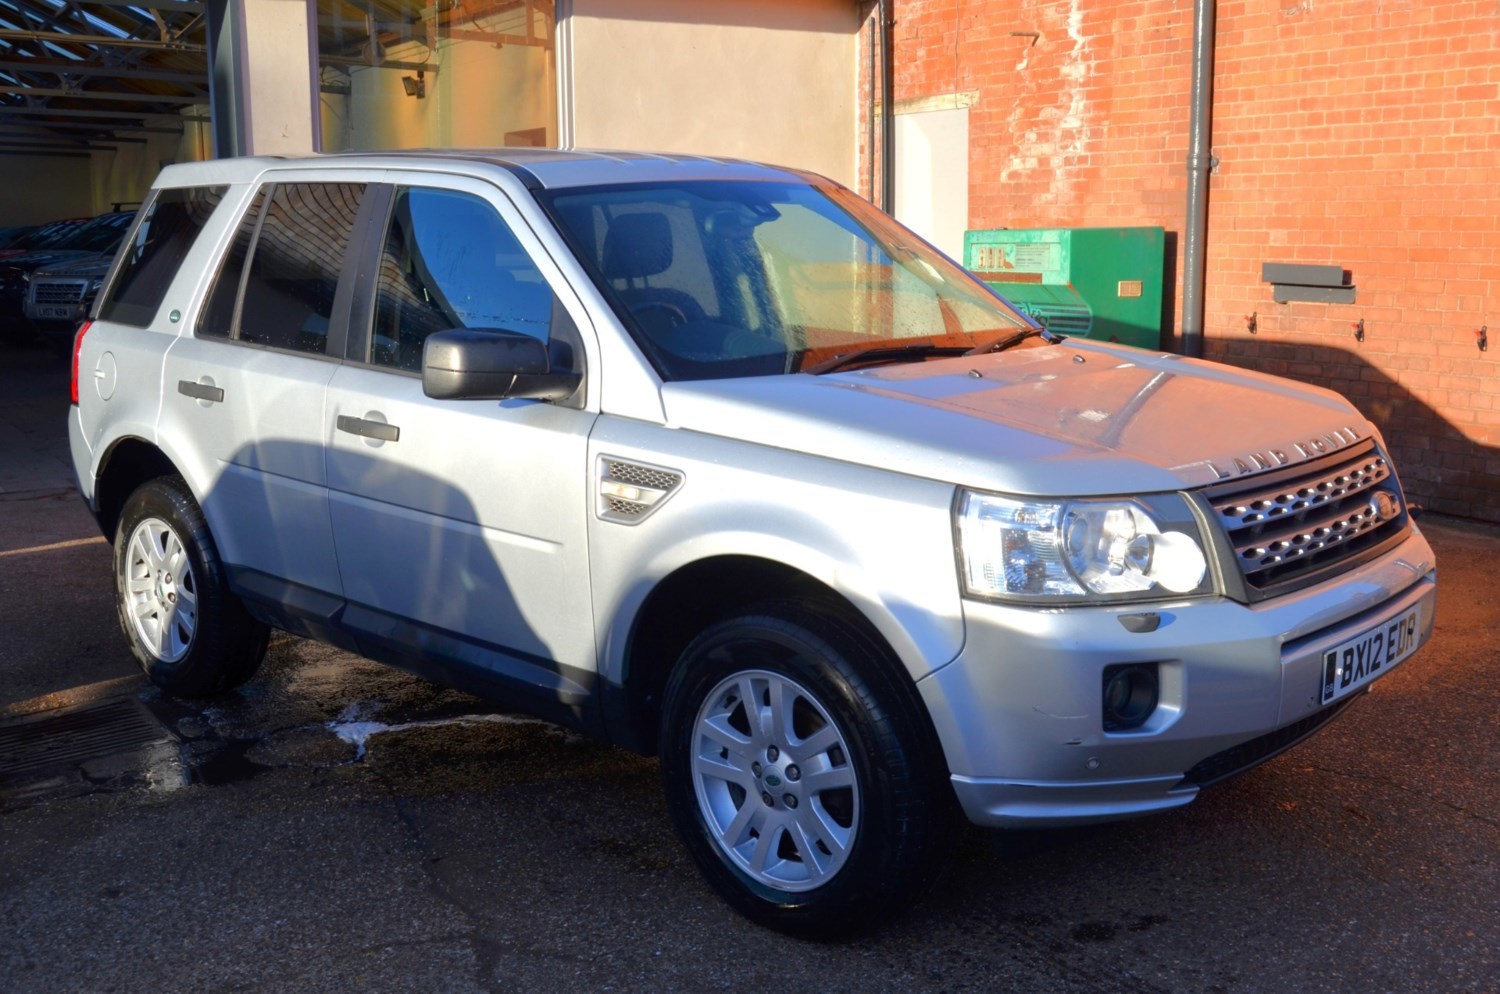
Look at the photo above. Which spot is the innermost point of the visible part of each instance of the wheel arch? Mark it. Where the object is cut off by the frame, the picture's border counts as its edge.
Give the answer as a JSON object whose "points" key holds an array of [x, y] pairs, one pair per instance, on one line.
{"points": [[696, 595], [129, 462]]}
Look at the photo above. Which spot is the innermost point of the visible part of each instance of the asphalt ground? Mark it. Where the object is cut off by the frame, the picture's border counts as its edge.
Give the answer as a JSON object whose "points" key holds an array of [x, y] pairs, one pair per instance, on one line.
{"points": [[338, 826]]}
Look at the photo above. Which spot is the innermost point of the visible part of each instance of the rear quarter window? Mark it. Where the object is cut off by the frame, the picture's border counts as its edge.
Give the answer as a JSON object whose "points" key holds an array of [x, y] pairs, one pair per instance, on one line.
{"points": [[168, 229]]}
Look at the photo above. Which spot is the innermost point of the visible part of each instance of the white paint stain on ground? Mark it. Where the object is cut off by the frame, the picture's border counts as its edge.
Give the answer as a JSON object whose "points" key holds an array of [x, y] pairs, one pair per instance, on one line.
{"points": [[350, 728]]}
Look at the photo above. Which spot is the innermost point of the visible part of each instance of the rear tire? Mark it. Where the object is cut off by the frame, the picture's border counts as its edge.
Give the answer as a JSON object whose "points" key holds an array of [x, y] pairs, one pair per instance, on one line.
{"points": [[190, 634], [799, 774]]}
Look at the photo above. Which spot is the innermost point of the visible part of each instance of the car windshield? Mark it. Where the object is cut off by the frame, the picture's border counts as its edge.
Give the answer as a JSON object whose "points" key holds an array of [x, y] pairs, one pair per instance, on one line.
{"points": [[49, 235], [102, 234], [717, 279]]}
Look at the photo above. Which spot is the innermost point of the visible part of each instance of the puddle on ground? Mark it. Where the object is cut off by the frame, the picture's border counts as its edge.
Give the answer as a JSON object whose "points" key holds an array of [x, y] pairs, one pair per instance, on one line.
{"points": [[219, 745]]}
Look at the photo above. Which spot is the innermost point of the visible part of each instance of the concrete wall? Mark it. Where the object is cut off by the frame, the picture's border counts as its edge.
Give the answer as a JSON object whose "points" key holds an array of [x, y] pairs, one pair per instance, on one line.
{"points": [[36, 189], [764, 79], [276, 37], [1350, 134]]}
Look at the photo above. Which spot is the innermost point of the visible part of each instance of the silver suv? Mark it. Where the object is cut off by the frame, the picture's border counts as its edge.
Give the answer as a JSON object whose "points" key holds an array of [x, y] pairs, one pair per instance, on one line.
{"points": [[713, 461]]}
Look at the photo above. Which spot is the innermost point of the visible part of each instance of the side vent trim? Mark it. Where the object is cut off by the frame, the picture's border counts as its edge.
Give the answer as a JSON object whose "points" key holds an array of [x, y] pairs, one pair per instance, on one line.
{"points": [[629, 492]]}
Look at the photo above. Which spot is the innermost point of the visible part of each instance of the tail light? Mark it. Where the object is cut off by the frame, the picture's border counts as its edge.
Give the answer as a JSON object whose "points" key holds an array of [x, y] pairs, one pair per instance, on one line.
{"points": [[77, 348]]}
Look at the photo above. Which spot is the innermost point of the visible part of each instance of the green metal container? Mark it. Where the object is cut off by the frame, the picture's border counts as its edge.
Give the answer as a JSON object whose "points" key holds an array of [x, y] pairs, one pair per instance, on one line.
{"points": [[1095, 282]]}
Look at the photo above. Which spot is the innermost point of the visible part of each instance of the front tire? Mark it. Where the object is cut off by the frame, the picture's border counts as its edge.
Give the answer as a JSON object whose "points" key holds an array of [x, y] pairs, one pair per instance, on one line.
{"points": [[190, 634], [802, 779]]}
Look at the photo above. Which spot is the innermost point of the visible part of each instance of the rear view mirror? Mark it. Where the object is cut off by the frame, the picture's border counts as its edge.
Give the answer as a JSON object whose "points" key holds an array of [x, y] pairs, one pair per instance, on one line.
{"points": [[492, 364]]}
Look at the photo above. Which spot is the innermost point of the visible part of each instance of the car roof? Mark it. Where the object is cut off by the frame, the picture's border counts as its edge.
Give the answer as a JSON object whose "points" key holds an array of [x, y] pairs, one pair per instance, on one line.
{"points": [[538, 168]]}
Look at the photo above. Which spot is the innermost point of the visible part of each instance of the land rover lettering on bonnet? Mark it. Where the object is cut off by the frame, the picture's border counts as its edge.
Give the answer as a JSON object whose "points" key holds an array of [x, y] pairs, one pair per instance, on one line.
{"points": [[714, 461]]}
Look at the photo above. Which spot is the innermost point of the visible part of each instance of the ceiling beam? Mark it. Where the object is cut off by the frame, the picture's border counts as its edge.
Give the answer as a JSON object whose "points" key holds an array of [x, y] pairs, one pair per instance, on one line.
{"points": [[6, 143], [144, 98], [66, 67], [48, 155], [189, 7], [86, 126], [10, 133], [102, 41], [128, 115], [341, 60]]}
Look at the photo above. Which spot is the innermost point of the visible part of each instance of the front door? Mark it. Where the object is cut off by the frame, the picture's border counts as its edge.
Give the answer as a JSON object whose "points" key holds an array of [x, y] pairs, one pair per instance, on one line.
{"points": [[460, 526]]}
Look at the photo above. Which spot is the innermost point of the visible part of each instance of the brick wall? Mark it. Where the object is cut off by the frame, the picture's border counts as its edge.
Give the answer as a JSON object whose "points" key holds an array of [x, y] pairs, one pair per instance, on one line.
{"points": [[1363, 134]]}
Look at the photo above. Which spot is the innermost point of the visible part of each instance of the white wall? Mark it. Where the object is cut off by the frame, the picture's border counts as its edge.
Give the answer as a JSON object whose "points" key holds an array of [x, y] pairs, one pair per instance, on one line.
{"points": [[773, 80], [277, 44], [932, 176], [477, 95]]}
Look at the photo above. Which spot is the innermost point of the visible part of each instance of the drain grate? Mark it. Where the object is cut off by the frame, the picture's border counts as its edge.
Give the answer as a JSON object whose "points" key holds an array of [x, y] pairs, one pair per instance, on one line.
{"points": [[35, 746]]}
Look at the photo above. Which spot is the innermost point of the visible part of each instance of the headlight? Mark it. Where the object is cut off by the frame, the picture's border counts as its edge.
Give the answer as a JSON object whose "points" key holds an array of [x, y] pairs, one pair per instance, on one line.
{"points": [[1080, 550]]}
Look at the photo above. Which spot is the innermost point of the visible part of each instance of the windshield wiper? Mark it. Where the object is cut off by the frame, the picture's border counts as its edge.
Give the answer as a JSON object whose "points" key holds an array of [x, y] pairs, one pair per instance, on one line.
{"points": [[1001, 344], [908, 353], [883, 353]]}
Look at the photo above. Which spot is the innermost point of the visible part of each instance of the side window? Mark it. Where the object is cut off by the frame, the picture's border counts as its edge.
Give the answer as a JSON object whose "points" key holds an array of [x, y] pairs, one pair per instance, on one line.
{"points": [[167, 231], [276, 284], [217, 317], [294, 265], [449, 261]]}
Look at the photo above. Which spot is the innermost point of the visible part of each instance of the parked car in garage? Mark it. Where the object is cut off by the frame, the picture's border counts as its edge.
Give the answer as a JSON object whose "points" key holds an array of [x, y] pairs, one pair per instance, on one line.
{"points": [[93, 240], [9, 236], [58, 296], [42, 236]]}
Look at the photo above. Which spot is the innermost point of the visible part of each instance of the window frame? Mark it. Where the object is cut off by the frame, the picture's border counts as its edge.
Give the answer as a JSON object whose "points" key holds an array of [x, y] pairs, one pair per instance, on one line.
{"points": [[108, 293], [347, 278], [376, 211]]}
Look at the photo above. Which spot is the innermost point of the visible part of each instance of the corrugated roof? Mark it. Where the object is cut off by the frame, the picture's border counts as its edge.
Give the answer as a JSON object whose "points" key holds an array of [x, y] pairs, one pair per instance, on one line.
{"points": [[81, 76]]}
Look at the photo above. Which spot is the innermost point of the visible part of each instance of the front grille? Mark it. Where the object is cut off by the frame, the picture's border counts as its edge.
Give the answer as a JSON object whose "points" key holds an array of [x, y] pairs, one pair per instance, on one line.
{"points": [[58, 291], [1237, 759], [1293, 527]]}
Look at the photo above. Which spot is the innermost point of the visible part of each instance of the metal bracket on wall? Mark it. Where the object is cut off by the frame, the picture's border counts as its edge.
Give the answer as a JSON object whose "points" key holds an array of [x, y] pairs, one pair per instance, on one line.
{"points": [[1315, 284]]}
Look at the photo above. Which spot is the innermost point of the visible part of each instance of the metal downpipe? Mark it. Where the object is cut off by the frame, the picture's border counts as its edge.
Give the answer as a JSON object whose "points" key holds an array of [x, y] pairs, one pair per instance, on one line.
{"points": [[1200, 163], [887, 111]]}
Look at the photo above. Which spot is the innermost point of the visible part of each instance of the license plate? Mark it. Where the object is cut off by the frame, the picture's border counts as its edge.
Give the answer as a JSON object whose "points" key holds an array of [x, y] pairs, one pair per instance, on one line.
{"points": [[1359, 661], [54, 313]]}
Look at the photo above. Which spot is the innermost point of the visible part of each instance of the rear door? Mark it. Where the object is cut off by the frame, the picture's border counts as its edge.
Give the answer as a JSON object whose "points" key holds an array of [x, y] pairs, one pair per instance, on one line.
{"points": [[461, 525], [248, 388]]}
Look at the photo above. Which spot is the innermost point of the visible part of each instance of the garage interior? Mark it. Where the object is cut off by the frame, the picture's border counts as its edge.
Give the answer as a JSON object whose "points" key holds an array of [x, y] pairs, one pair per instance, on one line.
{"points": [[96, 96]]}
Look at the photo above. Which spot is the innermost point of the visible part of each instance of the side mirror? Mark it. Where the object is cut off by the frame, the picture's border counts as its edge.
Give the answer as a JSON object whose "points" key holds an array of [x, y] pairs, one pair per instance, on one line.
{"points": [[492, 364]]}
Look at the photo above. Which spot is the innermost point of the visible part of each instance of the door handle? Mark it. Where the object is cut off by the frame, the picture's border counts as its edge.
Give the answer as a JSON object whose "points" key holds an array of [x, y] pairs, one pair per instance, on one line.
{"points": [[369, 429], [200, 391]]}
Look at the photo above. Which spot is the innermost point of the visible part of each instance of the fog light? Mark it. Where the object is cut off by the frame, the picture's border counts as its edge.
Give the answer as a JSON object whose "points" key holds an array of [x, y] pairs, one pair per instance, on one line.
{"points": [[1131, 692]]}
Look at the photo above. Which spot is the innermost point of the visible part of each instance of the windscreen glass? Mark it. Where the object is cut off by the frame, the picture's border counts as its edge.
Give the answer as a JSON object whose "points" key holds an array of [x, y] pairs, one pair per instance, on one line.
{"points": [[721, 279]]}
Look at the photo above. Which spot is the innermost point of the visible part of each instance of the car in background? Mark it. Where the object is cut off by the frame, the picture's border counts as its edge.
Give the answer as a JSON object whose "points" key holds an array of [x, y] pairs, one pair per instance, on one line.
{"points": [[11, 235], [58, 297], [44, 236], [95, 239]]}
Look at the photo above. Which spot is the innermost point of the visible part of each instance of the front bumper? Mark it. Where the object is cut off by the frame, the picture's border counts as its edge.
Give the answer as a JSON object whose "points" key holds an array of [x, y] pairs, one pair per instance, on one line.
{"points": [[1019, 713]]}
